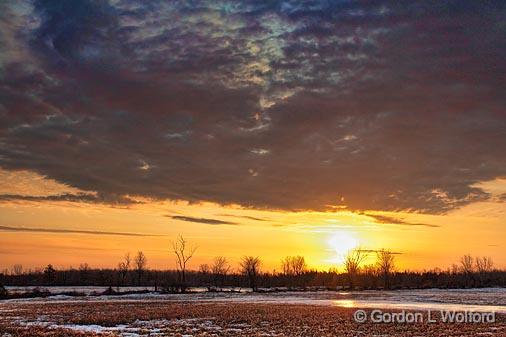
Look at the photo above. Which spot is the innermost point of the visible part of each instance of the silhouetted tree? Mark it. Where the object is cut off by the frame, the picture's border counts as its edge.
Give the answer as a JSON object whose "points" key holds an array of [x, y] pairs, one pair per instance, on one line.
{"points": [[183, 255], [204, 268], [285, 266], [370, 275], [140, 265], [455, 269], [299, 265], [84, 271], [385, 262], [3, 291], [49, 274], [352, 263], [123, 268], [293, 265], [17, 269], [220, 269], [484, 264], [467, 267], [250, 267], [466, 263], [205, 272]]}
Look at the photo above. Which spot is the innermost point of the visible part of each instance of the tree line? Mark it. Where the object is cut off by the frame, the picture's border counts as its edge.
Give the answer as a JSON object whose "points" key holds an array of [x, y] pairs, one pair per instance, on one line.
{"points": [[294, 274]]}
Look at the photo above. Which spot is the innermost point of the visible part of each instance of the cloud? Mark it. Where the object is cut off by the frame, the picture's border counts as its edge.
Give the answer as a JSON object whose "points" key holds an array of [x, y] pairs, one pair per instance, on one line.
{"points": [[372, 106], [245, 217], [202, 220], [67, 231], [375, 251], [79, 197], [395, 221]]}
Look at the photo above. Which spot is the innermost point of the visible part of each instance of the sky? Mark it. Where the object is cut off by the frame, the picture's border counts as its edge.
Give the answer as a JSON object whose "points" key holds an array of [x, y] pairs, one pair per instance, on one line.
{"points": [[252, 128]]}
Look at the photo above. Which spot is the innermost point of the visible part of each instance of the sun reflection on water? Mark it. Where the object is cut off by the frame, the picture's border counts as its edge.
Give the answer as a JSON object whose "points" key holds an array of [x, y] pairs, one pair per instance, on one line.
{"points": [[345, 303]]}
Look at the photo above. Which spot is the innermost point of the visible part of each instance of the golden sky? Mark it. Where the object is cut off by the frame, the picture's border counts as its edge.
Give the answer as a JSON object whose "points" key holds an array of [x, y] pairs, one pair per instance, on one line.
{"points": [[423, 241]]}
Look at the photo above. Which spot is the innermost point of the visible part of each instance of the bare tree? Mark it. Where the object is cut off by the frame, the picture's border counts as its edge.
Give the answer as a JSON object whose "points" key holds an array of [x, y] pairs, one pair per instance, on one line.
{"points": [[84, 270], [250, 266], [386, 265], [84, 267], [299, 265], [352, 263], [484, 264], [467, 264], [17, 269], [294, 265], [286, 266], [123, 268], [140, 262], [205, 274], [370, 272], [467, 268], [49, 273], [220, 269], [183, 255], [204, 269]]}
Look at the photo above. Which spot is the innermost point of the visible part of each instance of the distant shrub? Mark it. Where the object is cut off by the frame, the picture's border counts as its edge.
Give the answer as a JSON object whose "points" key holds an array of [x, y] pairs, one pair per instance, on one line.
{"points": [[171, 288], [37, 292], [3, 292], [109, 291]]}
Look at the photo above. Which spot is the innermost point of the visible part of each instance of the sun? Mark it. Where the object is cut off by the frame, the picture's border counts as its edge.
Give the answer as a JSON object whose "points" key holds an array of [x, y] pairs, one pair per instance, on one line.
{"points": [[341, 243]]}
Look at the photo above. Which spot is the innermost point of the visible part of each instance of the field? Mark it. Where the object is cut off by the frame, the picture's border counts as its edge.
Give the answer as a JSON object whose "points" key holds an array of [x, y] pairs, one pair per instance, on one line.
{"points": [[313, 314], [213, 319]]}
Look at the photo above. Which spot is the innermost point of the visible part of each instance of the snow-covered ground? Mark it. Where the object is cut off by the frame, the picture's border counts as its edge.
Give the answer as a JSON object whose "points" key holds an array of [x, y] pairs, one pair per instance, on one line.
{"points": [[158, 327], [41, 314], [89, 290], [487, 299]]}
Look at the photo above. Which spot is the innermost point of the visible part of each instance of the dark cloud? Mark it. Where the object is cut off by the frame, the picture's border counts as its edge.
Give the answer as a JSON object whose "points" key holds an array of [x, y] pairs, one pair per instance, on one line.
{"points": [[395, 221], [244, 217], [66, 231], [80, 197], [202, 220], [285, 105], [75, 32], [29, 249]]}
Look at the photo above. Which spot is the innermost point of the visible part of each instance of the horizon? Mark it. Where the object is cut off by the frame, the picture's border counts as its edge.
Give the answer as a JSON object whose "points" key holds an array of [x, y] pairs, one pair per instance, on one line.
{"points": [[266, 130], [235, 268]]}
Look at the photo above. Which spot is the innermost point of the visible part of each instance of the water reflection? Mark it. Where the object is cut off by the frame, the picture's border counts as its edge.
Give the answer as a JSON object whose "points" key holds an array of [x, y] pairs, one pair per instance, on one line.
{"points": [[418, 306], [345, 303]]}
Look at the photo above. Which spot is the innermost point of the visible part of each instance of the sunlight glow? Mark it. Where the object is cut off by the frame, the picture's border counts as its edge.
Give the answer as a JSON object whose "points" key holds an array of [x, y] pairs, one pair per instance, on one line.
{"points": [[345, 303], [341, 243]]}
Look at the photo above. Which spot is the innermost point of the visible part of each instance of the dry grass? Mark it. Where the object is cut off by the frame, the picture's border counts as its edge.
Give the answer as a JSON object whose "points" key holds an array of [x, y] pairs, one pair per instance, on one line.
{"points": [[215, 319]]}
